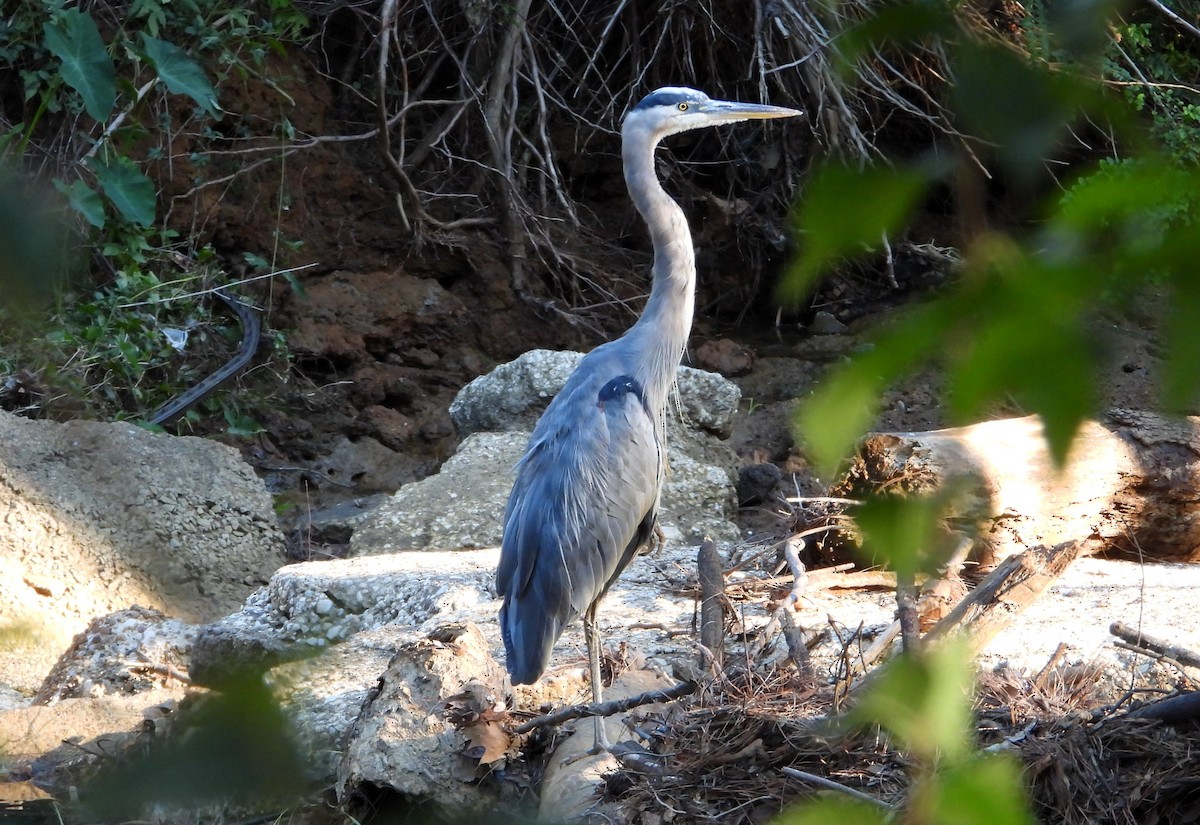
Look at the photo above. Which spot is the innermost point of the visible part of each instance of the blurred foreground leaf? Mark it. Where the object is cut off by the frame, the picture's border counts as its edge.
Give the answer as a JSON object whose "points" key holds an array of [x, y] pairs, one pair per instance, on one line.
{"points": [[235, 747], [845, 403], [846, 212], [980, 790], [1018, 328], [35, 248], [908, 534], [924, 701]]}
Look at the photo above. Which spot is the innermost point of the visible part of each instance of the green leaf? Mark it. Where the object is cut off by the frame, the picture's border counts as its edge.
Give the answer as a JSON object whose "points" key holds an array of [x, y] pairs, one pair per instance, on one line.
{"points": [[86, 67], [981, 790], [846, 212], [1025, 337], [832, 420], [84, 200], [839, 412], [1181, 372], [129, 190], [908, 534], [925, 701], [181, 74]]}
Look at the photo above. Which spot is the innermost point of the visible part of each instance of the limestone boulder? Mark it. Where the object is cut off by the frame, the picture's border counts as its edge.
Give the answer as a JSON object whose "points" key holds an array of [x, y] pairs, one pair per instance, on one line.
{"points": [[513, 395], [324, 632], [459, 507], [99, 517], [131, 651], [404, 740], [463, 504], [309, 606]]}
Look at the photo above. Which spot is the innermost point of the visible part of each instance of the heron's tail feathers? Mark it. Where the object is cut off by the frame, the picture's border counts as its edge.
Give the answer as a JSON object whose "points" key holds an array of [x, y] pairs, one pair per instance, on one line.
{"points": [[528, 643]]}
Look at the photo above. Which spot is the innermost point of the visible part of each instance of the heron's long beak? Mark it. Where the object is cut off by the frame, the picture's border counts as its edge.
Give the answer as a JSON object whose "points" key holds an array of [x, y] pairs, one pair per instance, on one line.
{"points": [[731, 110]]}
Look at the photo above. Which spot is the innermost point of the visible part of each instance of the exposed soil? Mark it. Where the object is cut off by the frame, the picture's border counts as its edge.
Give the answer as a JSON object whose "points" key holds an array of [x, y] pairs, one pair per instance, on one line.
{"points": [[390, 325]]}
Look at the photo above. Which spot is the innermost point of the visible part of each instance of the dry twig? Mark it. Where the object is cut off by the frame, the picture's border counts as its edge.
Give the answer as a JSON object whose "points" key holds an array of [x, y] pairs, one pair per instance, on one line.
{"points": [[570, 712]]}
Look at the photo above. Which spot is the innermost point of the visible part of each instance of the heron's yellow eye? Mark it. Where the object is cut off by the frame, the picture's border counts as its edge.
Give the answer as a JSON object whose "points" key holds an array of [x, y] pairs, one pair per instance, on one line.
{"points": [[683, 107]]}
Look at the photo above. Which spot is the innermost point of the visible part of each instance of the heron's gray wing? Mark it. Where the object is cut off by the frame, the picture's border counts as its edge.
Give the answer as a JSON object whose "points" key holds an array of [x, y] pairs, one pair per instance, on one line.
{"points": [[584, 500]]}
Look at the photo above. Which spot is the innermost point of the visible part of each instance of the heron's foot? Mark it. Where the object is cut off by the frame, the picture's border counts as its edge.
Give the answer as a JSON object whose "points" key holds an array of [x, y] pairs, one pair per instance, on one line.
{"points": [[599, 745]]}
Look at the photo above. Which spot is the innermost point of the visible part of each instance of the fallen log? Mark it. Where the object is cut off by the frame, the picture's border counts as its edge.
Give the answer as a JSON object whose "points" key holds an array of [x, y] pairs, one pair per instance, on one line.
{"points": [[1130, 488], [1004, 594]]}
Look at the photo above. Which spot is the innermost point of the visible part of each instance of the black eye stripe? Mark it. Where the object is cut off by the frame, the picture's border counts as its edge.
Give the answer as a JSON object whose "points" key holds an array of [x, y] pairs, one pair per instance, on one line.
{"points": [[661, 98]]}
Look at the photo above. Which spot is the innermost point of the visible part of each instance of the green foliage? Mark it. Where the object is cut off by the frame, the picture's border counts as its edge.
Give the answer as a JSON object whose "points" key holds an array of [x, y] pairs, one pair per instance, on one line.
{"points": [[154, 52], [86, 67], [236, 748], [107, 351], [924, 703], [1015, 329], [1158, 70], [99, 84]]}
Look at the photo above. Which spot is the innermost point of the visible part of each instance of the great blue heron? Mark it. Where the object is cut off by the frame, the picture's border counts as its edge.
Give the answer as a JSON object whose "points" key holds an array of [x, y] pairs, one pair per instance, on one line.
{"points": [[585, 499]]}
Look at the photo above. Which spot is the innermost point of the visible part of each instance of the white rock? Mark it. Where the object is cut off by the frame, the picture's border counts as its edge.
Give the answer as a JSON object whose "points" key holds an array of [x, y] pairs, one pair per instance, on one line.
{"points": [[98, 517]]}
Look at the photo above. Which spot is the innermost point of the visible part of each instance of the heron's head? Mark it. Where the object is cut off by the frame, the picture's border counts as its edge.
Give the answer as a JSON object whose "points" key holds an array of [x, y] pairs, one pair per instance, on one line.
{"points": [[673, 109]]}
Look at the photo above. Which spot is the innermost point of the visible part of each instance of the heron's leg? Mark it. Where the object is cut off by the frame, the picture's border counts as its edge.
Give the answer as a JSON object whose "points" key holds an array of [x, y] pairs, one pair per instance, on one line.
{"points": [[592, 634]]}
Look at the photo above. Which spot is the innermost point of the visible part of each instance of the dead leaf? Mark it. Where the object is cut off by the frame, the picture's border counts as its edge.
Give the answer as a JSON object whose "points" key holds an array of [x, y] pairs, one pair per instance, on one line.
{"points": [[491, 737]]}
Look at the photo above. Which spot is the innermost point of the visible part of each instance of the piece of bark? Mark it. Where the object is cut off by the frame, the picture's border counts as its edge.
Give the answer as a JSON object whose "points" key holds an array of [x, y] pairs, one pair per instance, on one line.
{"points": [[1131, 486], [1004, 594]]}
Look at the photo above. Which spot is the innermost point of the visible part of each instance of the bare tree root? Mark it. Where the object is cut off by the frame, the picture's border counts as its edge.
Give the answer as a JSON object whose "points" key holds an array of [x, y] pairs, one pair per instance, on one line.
{"points": [[505, 115]]}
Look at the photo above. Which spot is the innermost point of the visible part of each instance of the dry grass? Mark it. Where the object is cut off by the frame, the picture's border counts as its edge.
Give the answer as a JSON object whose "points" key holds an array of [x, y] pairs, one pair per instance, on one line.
{"points": [[721, 753]]}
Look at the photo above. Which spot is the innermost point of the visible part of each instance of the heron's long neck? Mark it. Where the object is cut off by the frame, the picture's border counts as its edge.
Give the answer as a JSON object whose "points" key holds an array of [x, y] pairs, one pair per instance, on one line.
{"points": [[662, 332]]}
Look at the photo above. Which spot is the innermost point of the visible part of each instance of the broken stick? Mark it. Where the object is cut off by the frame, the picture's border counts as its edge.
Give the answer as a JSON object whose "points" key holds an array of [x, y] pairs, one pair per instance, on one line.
{"points": [[712, 605], [570, 712], [1005, 594], [1160, 646]]}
